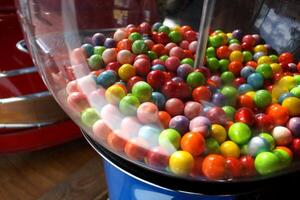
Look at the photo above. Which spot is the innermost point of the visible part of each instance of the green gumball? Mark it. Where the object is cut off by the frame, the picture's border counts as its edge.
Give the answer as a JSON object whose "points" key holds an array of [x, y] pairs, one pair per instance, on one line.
{"points": [[265, 70], [139, 47], [142, 91], [296, 91], [239, 132], [129, 105], [169, 139], [89, 116], [284, 158], [195, 79], [230, 112], [266, 163], [262, 98], [212, 146]]}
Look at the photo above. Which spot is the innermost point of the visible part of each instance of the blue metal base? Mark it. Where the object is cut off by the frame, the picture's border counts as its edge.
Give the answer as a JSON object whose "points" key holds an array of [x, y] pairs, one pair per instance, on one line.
{"points": [[124, 186]]}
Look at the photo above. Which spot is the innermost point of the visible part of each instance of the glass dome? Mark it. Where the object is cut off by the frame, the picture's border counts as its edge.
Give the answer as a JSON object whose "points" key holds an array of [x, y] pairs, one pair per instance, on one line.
{"points": [[130, 73]]}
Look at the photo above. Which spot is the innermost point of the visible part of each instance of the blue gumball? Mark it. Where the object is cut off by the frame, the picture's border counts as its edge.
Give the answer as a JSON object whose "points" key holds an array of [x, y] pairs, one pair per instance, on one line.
{"points": [[150, 133], [284, 96], [88, 48], [107, 78], [246, 71], [244, 88], [158, 67], [159, 100], [256, 80], [257, 145]]}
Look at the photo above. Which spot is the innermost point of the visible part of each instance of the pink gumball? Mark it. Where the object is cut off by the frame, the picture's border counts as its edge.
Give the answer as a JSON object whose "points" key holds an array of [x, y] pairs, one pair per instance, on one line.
{"points": [[184, 44], [216, 115], [109, 55], [192, 109], [201, 125], [72, 87], [170, 45], [172, 63], [142, 66], [147, 113], [119, 35], [174, 106], [77, 101], [101, 130], [178, 52], [193, 46], [131, 126], [282, 135], [125, 57]]}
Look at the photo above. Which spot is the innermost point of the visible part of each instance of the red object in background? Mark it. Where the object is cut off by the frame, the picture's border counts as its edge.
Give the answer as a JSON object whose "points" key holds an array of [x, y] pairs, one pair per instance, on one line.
{"points": [[20, 88]]}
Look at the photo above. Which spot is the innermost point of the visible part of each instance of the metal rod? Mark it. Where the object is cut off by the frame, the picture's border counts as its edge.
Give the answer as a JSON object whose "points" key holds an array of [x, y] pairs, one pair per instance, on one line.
{"points": [[207, 12]]}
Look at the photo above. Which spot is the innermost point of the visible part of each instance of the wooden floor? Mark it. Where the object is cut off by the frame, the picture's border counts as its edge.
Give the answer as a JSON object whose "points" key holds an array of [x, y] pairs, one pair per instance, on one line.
{"points": [[70, 171]]}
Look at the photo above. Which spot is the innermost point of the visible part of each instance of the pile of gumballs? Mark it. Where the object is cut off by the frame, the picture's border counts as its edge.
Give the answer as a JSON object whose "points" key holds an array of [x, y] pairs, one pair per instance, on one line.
{"points": [[237, 116]]}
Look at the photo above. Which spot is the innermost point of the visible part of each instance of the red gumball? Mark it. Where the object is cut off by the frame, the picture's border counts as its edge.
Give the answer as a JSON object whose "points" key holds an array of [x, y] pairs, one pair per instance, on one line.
{"points": [[184, 44], [178, 52], [172, 89], [247, 46], [296, 146], [223, 52], [251, 64], [239, 81], [163, 38], [233, 167], [136, 149], [190, 35], [245, 101], [133, 80], [286, 58], [201, 93], [197, 168], [157, 158], [172, 63], [249, 39], [159, 49], [131, 29], [263, 122], [113, 66], [245, 115], [188, 53], [205, 71], [235, 67], [247, 166], [145, 28], [142, 66], [149, 43], [158, 61], [174, 106], [156, 79]]}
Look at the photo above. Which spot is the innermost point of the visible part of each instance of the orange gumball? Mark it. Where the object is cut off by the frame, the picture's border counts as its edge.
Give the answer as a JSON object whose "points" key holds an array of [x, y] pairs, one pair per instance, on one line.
{"points": [[124, 44], [193, 143], [116, 141], [159, 49], [136, 149], [213, 166], [197, 168], [223, 52], [201, 93], [164, 118], [279, 114], [245, 101]]}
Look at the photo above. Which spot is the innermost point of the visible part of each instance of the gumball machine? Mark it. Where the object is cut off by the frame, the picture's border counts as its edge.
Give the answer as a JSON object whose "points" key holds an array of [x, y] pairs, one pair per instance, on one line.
{"points": [[182, 99]]}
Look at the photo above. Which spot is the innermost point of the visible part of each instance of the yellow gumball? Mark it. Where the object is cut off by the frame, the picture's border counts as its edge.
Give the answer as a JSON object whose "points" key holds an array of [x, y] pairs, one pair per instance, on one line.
{"points": [[264, 60], [229, 35], [278, 90], [275, 68], [176, 28], [260, 48], [236, 56], [181, 163], [293, 105], [219, 133], [230, 149], [288, 82], [224, 38], [114, 94], [251, 94], [126, 71]]}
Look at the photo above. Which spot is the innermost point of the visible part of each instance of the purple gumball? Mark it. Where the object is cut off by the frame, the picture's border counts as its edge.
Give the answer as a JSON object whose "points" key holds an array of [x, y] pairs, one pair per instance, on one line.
{"points": [[184, 70], [294, 126], [180, 123], [201, 125], [218, 99]]}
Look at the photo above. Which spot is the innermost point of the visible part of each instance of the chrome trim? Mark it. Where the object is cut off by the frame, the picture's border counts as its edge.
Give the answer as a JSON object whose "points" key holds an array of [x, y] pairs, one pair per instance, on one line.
{"points": [[18, 72], [25, 97], [21, 46], [28, 125]]}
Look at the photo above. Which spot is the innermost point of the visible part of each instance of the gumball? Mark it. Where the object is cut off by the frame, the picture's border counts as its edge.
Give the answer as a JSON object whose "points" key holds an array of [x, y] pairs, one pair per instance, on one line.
{"points": [[238, 81], [119, 35], [147, 113], [197, 168], [77, 101], [233, 167], [156, 26], [125, 57], [109, 55], [294, 126], [172, 63], [201, 125], [247, 166], [283, 96], [245, 115], [216, 115], [170, 45], [286, 58], [212, 146], [235, 47], [249, 39], [109, 43], [177, 51], [180, 123], [164, 118], [230, 149], [193, 46], [126, 71], [239, 132], [245, 101], [139, 46], [175, 36], [100, 130], [114, 94], [142, 91], [136, 149], [282, 135], [174, 106], [190, 35], [188, 60], [218, 99], [124, 44], [265, 70], [266, 163], [98, 39], [130, 126], [264, 122], [256, 80], [159, 100], [236, 56], [135, 36], [156, 79], [262, 98], [257, 145], [181, 163], [237, 34], [213, 166], [219, 133], [195, 79], [213, 64], [246, 71], [210, 52], [142, 66], [145, 28], [157, 158], [269, 139], [223, 52], [279, 114], [293, 105], [113, 66], [235, 67], [95, 62], [132, 81], [150, 133], [284, 157], [116, 141], [89, 116], [169, 139], [244, 88], [129, 105], [296, 91], [192, 109], [184, 70], [230, 112], [247, 55], [88, 49], [201, 93], [193, 143], [230, 93]]}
